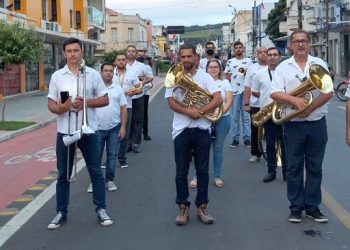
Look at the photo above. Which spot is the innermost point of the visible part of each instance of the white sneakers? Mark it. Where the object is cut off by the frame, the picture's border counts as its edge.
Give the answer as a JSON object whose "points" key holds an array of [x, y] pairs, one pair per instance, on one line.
{"points": [[110, 185], [254, 158]]}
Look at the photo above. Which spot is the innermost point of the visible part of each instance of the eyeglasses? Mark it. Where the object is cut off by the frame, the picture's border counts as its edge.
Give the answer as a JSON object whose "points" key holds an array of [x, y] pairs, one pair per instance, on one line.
{"points": [[213, 67], [302, 42]]}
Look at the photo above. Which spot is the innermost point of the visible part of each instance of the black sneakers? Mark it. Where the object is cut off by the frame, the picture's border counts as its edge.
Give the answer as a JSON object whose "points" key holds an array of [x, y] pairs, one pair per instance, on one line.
{"points": [[58, 221], [234, 144], [103, 217], [295, 217], [317, 216]]}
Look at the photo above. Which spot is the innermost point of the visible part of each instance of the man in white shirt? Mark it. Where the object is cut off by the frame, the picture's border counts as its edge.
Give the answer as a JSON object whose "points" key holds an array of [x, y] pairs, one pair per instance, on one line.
{"points": [[129, 84], [191, 135], [305, 136], [69, 115], [251, 103], [235, 72], [111, 124], [209, 50], [139, 70], [261, 87]]}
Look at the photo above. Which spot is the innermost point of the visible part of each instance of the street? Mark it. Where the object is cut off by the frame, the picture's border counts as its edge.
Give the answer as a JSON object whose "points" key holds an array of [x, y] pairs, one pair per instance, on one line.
{"points": [[248, 213]]}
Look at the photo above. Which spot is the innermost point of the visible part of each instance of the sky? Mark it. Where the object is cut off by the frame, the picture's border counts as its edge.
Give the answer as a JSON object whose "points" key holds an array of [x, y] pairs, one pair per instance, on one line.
{"points": [[182, 12]]}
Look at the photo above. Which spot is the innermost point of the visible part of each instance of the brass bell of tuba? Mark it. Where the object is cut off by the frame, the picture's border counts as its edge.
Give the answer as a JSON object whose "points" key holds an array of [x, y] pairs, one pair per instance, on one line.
{"points": [[188, 93]]}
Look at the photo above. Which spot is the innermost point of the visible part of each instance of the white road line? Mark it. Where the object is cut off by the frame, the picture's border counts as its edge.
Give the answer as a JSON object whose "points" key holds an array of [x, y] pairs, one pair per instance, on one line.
{"points": [[11, 227]]}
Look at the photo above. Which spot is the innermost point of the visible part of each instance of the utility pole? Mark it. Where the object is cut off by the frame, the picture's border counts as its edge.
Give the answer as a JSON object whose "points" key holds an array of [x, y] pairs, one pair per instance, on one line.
{"points": [[300, 14], [327, 30], [254, 28]]}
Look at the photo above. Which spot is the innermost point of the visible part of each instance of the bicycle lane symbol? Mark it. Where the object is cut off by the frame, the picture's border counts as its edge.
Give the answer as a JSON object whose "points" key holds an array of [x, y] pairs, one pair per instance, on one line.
{"points": [[47, 154]]}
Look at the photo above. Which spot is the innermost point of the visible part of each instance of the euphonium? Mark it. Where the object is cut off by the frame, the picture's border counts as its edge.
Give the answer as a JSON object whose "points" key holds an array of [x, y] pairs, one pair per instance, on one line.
{"points": [[319, 79], [193, 94]]}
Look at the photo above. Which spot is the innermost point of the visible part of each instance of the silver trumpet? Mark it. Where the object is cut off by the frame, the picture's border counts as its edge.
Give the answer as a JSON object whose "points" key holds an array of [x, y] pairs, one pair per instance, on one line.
{"points": [[85, 129]]}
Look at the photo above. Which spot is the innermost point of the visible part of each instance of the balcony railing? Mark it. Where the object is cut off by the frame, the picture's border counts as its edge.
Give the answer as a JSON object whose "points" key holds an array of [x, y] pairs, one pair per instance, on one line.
{"points": [[96, 17]]}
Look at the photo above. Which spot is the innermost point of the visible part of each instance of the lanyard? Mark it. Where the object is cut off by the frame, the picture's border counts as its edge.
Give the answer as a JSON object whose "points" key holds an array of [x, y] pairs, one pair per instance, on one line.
{"points": [[270, 74]]}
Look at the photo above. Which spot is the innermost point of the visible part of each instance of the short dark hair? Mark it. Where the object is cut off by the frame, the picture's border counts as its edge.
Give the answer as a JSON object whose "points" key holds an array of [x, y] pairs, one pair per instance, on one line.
{"points": [[106, 64], [131, 46], [300, 32], [188, 46], [209, 43], [238, 43], [273, 48], [70, 41]]}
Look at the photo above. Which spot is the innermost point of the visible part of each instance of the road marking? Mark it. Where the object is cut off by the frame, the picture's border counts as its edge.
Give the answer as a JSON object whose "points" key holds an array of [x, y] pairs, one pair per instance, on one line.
{"points": [[38, 187], [341, 107], [155, 93], [337, 209], [24, 198], [49, 177], [9, 211], [13, 225]]}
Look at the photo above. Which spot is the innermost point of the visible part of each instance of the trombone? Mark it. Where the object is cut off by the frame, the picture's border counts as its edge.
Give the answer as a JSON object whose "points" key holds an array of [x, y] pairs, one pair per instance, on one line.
{"points": [[85, 129]]}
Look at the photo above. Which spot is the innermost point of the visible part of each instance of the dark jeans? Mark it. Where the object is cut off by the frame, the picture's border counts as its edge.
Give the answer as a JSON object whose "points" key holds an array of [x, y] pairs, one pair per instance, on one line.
{"points": [[145, 116], [110, 138], [198, 141], [273, 134], [124, 142], [254, 150], [136, 121], [305, 146], [89, 147]]}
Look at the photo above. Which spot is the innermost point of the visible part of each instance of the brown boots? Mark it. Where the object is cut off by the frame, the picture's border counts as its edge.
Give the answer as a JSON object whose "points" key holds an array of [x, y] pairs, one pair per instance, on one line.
{"points": [[183, 217], [202, 215]]}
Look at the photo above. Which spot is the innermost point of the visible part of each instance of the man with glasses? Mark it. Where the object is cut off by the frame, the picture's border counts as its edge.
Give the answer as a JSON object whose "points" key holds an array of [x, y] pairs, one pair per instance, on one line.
{"points": [[305, 136]]}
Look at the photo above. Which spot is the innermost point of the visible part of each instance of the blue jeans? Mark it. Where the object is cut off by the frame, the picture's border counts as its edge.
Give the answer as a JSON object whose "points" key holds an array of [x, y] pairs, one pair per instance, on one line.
{"points": [[124, 142], [237, 111], [111, 139], [222, 127], [305, 146], [273, 134], [196, 142], [89, 147]]}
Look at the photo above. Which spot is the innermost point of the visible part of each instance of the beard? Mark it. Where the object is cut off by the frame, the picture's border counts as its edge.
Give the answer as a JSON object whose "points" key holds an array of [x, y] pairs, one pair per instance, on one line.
{"points": [[188, 66]]}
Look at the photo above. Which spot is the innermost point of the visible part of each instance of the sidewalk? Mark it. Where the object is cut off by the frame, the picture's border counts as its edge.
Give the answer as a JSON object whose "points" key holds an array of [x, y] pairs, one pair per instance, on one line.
{"points": [[33, 107]]}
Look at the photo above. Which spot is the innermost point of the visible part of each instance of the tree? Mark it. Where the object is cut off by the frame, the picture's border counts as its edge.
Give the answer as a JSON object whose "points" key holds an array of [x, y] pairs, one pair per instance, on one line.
{"points": [[17, 46], [276, 16], [110, 56]]}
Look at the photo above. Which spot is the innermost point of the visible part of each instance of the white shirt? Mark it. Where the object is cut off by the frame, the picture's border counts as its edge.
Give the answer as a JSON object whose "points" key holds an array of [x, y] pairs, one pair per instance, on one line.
{"points": [[288, 76], [224, 86], [262, 83], [138, 69], [150, 72], [64, 80], [127, 81], [237, 80], [181, 121], [109, 116], [252, 70], [347, 93]]}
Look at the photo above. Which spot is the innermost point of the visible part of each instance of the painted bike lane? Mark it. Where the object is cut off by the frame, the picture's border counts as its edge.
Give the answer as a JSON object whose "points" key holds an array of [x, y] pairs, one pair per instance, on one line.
{"points": [[24, 160]]}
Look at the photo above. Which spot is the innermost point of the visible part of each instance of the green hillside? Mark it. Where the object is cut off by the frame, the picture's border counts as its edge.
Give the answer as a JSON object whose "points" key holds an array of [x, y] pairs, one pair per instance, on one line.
{"points": [[201, 34]]}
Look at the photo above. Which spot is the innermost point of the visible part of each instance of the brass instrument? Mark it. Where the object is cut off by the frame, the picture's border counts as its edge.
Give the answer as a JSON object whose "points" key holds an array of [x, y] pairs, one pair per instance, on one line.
{"points": [[241, 71], [192, 94], [319, 79]]}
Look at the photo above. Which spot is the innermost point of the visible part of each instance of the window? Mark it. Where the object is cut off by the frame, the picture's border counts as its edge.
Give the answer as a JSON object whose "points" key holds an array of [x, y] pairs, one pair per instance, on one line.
{"points": [[44, 11], [130, 34], [114, 34], [77, 20], [2, 4], [53, 10], [71, 18], [17, 4]]}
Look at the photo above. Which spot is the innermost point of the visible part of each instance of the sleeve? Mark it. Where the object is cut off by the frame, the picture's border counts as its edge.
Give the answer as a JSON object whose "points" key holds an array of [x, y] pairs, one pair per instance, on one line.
{"points": [[53, 91], [278, 81], [227, 86], [248, 78], [122, 97], [168, 92], [149, 71], [227, 67], [210, 84], [256, 83], [100, 87], [146, 71]]}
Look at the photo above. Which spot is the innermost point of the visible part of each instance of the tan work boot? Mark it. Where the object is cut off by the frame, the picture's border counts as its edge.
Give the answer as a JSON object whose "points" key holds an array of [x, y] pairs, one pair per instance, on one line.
{"points": [[203, 215], [183, 217]]}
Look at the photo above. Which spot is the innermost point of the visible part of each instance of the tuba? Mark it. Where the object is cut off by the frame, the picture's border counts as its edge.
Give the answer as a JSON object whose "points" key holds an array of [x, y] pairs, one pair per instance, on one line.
{"points": [[191, 94], [319, 79]]}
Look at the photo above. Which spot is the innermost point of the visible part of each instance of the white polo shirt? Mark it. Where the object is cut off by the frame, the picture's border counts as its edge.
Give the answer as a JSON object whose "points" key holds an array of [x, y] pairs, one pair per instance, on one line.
{"points": [[181, 121], [262, 83], [224, 86], [237, 80], [288, 76], [138, 69], [109, 116], [127, 81], [64, 80], [248, 81]]}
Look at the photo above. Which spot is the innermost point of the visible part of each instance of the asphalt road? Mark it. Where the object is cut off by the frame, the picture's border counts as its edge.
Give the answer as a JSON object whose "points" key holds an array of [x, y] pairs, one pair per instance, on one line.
{"points": [[249, 214]]}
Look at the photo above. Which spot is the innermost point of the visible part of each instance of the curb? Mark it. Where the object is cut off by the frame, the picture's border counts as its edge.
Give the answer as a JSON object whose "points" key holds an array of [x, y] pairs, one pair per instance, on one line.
{"points": [[22, 131]]}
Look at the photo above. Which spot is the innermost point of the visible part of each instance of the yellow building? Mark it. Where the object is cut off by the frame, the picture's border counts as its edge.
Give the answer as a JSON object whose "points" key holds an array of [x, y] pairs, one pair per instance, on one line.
{"points": [[56, 20]]}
